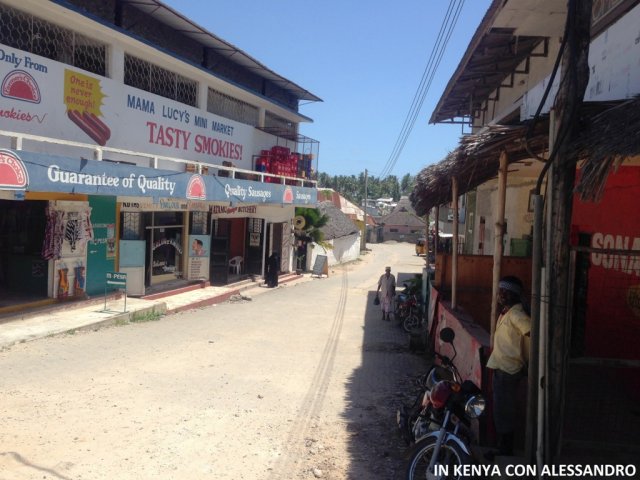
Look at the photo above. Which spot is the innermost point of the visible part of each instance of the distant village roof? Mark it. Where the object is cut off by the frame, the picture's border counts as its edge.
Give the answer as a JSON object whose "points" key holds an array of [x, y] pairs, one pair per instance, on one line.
{"points": [[403, 214], [348, 208], [339, 225]]}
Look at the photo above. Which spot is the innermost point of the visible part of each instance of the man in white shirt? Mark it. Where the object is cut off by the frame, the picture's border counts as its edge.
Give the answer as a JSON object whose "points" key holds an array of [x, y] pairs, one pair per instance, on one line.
{"points": [[386, 292]]}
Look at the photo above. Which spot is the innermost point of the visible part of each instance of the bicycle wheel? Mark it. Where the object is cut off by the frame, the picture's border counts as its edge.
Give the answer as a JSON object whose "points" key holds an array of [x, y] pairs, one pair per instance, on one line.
{"points": [[449, 457], [411, 322]]}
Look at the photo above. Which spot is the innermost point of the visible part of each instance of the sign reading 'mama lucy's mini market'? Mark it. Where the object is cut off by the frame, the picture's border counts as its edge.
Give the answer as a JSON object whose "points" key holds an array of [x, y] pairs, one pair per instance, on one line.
{"points": [[29, 171]]}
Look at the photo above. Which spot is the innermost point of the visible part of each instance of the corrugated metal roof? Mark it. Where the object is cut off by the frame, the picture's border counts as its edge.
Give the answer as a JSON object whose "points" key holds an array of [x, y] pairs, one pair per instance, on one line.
{"points": [[510, 32], [165, 14]]}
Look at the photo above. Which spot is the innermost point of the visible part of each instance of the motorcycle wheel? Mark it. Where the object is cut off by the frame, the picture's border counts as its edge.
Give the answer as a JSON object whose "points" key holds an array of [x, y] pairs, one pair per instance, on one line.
{"points": [[411, 322], [450, 456]]}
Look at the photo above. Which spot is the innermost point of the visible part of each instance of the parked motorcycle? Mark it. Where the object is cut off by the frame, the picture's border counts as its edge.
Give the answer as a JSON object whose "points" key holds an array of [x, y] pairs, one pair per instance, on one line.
{"points": [[415, 420], [408, 308], [452, 405]]}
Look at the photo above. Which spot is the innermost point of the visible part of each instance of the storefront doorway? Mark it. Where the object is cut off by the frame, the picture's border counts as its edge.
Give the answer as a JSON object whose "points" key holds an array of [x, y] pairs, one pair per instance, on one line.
{"points": [[232, 257], [164, 237], [23, 271]]}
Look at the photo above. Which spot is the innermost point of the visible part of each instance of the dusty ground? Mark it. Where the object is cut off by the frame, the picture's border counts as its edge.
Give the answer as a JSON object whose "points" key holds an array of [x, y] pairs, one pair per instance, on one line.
{"points": [[301, 382]]}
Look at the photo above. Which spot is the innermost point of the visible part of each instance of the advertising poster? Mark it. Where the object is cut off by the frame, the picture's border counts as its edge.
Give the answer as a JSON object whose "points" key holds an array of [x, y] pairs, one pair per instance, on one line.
{"points": [[199, 247]]}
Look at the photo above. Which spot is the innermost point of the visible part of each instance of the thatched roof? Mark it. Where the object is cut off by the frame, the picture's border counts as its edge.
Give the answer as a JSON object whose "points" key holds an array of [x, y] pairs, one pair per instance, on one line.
{"points": [[475, 161], [403, 214], [605, 140], [339, 225]]}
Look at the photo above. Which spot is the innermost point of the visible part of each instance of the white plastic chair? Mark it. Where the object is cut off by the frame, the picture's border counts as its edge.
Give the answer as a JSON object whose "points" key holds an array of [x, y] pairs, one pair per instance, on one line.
{"points": [[235, 264]]}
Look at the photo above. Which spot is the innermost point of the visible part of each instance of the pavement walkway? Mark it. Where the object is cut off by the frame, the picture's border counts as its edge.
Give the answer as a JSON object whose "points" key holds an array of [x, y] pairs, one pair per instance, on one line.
{"points": [[95, 313]]}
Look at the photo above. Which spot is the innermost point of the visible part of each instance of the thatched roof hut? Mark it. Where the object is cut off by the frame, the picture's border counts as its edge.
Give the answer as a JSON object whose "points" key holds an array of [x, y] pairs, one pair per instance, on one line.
{"points": [[609, 134], [475, 161], [339, 224]]}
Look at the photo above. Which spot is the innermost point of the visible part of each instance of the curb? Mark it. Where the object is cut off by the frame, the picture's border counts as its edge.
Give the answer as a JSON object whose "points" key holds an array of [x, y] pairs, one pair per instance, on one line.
{"points": [[124, 317]]}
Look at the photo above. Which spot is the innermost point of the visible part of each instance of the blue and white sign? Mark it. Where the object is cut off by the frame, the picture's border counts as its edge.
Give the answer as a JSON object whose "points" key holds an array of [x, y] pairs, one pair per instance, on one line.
{"points": [[29, 171]]}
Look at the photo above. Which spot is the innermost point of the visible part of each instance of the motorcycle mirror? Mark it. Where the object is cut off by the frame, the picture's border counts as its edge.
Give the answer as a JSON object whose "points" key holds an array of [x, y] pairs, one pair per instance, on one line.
{"points": [[447, 335]]}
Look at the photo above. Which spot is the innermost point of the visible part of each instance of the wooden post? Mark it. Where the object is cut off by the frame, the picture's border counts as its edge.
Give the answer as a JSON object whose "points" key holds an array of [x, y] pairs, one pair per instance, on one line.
{"points": [[454, 243], [436, 234], [575, 73], [498, 240]]}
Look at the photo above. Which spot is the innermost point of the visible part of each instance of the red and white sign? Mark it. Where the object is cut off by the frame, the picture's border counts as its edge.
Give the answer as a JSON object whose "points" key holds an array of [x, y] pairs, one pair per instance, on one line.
{"points": [[13, 174], [51, 99], [613, 295]]}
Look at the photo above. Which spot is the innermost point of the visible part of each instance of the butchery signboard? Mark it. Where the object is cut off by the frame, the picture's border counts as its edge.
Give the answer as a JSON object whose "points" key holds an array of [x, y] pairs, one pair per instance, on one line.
{"points": [[42, 97], [28, 171]]}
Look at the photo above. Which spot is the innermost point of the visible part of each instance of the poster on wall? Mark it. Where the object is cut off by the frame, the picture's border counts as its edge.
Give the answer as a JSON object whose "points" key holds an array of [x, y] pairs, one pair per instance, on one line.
{"points": [[198, 262], [111, 240], [254, 239]]}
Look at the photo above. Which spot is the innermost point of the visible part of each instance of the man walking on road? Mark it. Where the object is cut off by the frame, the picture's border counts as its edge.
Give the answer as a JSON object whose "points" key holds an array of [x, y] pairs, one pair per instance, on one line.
{"points": [[386, 287]]}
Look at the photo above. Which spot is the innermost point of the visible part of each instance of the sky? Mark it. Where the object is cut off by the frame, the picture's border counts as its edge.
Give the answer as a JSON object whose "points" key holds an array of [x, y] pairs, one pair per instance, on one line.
{"points": [[364, 59]]}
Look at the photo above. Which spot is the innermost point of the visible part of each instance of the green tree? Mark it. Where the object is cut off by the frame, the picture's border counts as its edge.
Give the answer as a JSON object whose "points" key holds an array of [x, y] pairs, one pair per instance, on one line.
{"points": [[406, 184], [352, 187], [313, 222]]}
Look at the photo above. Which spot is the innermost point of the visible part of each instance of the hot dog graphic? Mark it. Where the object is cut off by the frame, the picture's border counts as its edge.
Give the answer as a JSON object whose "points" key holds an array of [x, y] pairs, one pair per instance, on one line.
{"points": [[91, 125]]}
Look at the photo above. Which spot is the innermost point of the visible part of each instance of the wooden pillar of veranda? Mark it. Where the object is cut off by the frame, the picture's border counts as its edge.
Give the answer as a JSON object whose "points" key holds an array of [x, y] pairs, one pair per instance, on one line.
{"points": [[498, 248]]}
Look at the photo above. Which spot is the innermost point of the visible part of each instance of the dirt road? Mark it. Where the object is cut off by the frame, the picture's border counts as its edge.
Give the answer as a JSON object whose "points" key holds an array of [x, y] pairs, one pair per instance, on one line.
{"points": [[301, 382]]}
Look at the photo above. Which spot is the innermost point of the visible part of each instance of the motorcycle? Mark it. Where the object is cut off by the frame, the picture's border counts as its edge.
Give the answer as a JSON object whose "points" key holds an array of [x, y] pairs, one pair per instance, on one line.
{"points": [[414, 421], [408, 308], [451, 405]]}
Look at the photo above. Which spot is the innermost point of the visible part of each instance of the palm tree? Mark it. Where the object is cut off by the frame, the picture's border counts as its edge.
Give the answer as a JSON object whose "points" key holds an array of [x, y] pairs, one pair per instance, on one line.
{"points": [[313, 222]]}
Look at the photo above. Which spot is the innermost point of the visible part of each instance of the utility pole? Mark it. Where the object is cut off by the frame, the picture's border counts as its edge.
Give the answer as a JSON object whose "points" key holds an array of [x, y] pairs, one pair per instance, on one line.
{"points": [[366, 204]]}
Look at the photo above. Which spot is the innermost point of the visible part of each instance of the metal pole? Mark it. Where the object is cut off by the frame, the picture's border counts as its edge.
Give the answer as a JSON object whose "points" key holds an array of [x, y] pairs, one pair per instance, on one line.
{"points": [[366, 204], [533, 379]]}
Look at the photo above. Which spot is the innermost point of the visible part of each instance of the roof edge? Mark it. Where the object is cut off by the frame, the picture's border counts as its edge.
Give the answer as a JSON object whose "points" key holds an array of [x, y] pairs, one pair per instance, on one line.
{"points": [[488, 20]]}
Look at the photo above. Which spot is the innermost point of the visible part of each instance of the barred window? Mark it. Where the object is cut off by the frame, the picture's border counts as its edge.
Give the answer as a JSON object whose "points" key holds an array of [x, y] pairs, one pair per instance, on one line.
{"points": [[199, 223], [146, 76], [25, 32], [131, 223], [232, 108], [276, 123]]}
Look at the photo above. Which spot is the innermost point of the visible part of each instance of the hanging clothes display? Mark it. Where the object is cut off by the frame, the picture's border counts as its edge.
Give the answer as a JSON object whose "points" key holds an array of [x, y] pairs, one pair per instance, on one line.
{"points": [[73, 227], [54, 234], [79, 281], [72, 230]]}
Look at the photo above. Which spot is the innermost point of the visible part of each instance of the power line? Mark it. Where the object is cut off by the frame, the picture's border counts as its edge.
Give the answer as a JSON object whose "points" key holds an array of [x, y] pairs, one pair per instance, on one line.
{"points": [[446, 30]]}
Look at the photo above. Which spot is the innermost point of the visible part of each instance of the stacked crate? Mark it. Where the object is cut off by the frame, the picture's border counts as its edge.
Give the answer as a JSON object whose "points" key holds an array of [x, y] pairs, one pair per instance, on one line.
{"points": [[281, 161]]}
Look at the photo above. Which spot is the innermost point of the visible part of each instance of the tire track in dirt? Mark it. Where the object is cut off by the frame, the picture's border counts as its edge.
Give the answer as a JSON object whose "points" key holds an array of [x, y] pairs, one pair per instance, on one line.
{"points": [[293, 450]]}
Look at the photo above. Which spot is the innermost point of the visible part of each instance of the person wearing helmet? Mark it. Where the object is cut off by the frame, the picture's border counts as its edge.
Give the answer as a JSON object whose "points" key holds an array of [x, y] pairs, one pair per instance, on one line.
{"points": [[386, 292], [509, 359]]}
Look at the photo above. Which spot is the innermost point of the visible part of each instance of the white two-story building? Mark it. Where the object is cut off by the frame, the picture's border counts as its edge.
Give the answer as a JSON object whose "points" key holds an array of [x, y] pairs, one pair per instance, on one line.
{"points": [[133, 140]]}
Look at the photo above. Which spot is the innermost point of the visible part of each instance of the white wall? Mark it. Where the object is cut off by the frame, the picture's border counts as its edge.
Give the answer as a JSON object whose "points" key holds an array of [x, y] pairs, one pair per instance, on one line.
{"points": [[345, 249], [519, 219], [614, 67]]}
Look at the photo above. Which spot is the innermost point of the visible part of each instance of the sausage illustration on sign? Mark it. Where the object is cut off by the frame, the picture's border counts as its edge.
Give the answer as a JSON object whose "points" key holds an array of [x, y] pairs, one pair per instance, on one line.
{"points": [[91, 125]]}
